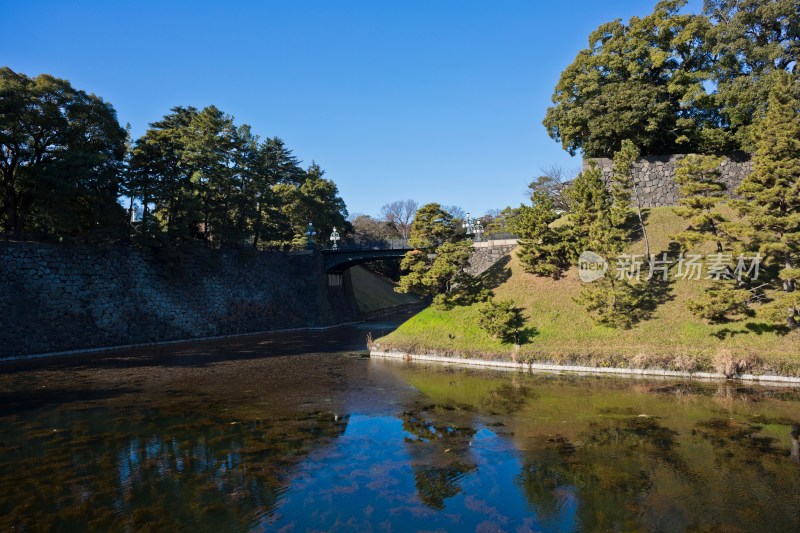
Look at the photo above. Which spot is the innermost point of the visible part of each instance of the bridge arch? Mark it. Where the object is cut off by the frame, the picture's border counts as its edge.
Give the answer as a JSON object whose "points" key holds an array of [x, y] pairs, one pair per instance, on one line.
{"points": [[337, 261]]}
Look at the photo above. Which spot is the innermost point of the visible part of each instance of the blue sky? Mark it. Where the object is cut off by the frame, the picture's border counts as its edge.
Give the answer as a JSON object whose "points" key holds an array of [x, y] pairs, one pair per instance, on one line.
{"points": [[431, 100]]}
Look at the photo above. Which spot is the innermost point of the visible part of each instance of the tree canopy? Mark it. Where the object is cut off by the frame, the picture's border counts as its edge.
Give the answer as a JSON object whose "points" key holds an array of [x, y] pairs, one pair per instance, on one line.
{"points": [[196, 176], [61, 156], [673, 82], [202, 178]]}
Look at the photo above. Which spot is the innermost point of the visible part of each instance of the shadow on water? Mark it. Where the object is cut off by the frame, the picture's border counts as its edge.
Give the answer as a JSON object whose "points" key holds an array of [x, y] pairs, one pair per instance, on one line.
{"points": [[322, 442], [209, 352], [14, 402]]}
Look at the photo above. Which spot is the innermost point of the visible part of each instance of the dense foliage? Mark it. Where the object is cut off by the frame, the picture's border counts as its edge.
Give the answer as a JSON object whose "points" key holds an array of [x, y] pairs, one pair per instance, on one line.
{"points": [[770, 195], [701, 193], [502, 319], [543, 249], [672, 82], [61, 160], [194, 177], [437, 267], [200, 177]]}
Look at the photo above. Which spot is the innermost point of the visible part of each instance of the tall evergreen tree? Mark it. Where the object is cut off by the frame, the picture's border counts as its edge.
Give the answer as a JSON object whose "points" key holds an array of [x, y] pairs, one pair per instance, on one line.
{"points": [[157, 171], [276, 173], [61, 156], [438, 266], [599, 219], [209, 149], [202, 178], [542, 249], [625, 187], [432, 226], [701, 192], [770, 195]]}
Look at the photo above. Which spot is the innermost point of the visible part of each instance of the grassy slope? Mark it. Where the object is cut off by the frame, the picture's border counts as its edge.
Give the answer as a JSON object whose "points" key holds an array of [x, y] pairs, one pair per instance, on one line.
{"points": [[560, 330], [374, 292]]}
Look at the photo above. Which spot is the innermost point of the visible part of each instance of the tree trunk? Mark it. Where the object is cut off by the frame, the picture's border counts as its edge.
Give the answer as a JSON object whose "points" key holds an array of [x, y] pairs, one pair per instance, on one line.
{"points": [[641, 220], [788, 284], [24, 202], [11, 211]]}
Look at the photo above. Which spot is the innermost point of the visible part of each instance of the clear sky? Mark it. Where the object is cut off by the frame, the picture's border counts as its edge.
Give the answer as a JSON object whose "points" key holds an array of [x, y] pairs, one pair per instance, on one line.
{"points": [[425, 99]]}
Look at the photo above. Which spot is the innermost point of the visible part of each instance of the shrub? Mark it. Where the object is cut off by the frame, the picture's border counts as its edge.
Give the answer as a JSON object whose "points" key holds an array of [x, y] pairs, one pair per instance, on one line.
{"points": [[501, 319]]}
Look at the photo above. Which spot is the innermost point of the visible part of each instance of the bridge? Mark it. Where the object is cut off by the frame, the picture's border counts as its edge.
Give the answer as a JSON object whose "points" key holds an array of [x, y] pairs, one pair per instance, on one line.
{"points": [[487, 253], [346, 256]]}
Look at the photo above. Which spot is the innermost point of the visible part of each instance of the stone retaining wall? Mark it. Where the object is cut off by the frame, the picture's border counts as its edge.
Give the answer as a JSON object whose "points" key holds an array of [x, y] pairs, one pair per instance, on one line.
{"points": [[488, 253], [59, 298], [655, 176]]}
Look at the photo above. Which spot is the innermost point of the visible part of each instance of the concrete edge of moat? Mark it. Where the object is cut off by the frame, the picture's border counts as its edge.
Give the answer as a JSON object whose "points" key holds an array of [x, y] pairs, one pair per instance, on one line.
{"points": [[580, 369]]}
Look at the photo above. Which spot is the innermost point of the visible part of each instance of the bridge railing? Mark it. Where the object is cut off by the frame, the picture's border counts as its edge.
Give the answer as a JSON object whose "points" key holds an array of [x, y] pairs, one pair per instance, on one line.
{"points": [[387, 244], [402, 244]]}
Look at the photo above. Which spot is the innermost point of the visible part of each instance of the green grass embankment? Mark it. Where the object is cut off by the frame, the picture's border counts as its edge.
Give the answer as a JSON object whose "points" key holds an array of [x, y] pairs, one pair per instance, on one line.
{"points": [[559, 330]]}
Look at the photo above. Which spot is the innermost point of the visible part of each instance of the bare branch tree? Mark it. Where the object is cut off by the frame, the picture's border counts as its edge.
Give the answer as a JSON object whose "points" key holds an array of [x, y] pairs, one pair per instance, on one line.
{"points": [[456, 212], [553, 182], [399, 214]]}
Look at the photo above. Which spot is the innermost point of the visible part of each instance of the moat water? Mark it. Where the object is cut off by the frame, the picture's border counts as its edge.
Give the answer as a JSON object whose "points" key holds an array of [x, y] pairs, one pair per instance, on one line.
{"points": [[303, 432]]}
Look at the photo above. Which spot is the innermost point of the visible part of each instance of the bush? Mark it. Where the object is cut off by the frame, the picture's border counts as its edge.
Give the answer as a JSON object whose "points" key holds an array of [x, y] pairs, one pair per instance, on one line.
{"points": [[501, 319], [720, 303]]}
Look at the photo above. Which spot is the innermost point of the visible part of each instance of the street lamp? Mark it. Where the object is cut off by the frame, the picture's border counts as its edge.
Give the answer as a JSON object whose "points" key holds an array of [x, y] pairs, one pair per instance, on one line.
{"points": [[468, 225], [473, 227], [335, 238], [478, 230], [310, 233]]}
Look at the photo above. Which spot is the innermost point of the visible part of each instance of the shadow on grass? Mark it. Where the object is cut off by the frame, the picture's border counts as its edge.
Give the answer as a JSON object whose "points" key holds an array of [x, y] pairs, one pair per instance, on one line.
{"points": [[633, 226], [497, 274], [759, 328], [729, 333], [526, 335], [657, 291]]}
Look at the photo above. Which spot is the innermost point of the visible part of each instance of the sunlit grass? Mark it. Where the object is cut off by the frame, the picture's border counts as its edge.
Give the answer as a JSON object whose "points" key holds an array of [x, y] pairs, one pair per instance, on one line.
{"points": [[560, 330]]}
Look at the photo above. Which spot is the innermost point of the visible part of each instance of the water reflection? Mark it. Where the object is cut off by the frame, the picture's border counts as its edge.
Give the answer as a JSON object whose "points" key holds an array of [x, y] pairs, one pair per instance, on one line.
{"points": [[336, 442]]}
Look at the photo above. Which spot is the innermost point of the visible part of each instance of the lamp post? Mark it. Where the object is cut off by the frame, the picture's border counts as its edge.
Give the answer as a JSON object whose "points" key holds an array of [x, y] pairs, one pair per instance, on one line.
{"points": [[473, 227], [335, 239], [310, 233], [478, 231], [468, 225]]}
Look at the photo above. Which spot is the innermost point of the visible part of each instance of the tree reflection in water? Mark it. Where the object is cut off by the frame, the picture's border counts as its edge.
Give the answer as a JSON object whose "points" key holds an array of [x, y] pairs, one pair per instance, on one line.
{"points": [[442, 449], [439, 457], [152, 470], [640, 456]]}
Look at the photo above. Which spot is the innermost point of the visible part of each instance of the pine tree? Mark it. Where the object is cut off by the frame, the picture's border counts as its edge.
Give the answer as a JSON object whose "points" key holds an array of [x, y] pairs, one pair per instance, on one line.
{"points": [[701, 192], [542, 249], [599, 218], [720, 301], [770, 195], [625, 188], [438, 266], [501, 319]]}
